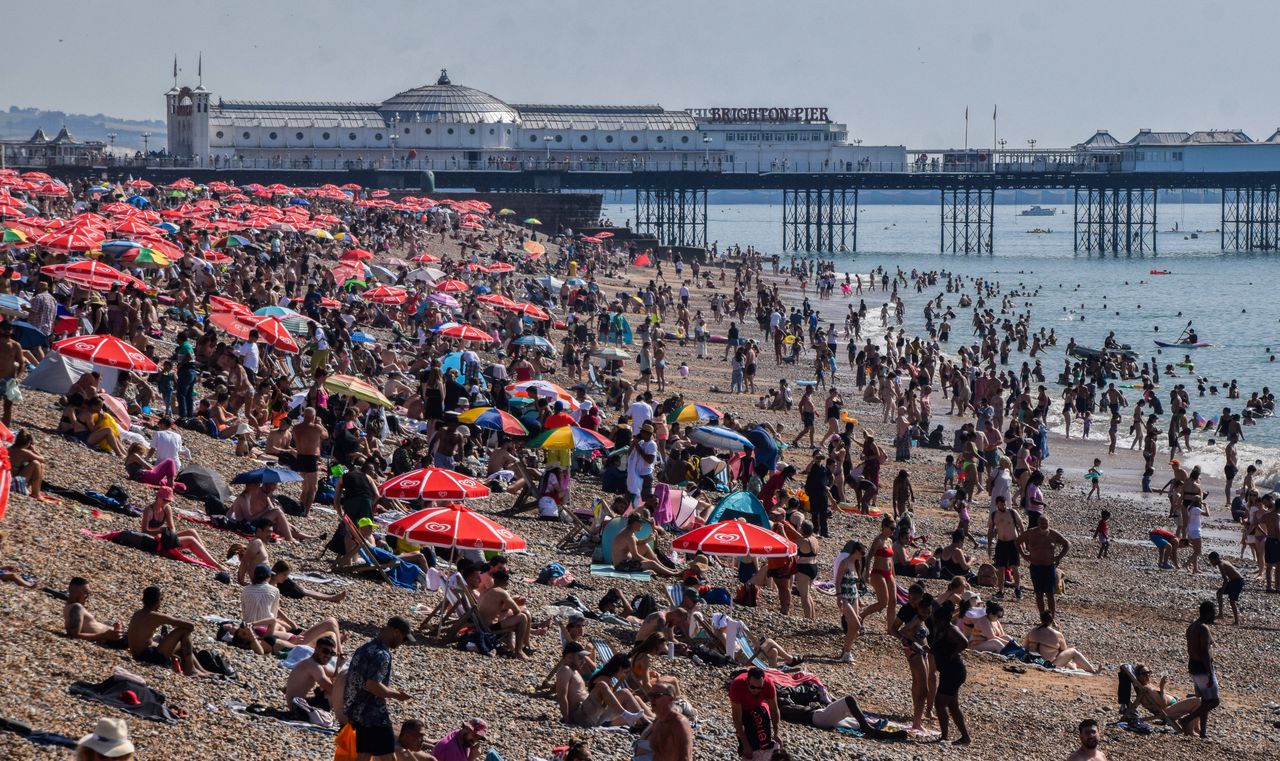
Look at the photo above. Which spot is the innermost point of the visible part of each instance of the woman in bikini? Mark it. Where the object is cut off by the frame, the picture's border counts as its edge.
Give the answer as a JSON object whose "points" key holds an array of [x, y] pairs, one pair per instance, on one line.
{"points": [[806, 562], [881, 575], [848, 581], [1048, 643], [157, 520], [28, 463]]}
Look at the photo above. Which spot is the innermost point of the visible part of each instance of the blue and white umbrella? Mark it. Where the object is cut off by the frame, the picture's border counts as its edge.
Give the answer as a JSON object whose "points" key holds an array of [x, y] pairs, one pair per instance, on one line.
{"points": [[13, 306], [537, 341], [719, 437]]}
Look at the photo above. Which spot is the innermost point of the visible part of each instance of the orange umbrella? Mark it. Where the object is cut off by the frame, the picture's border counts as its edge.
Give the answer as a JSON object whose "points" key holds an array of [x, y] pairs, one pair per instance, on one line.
{"points": [[534, 248]]}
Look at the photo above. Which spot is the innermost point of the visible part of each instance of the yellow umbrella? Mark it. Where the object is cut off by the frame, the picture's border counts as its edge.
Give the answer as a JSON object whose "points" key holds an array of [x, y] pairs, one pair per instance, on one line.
{"points": [[534, 248], [353, 386], [506, 213], [320, 233]]}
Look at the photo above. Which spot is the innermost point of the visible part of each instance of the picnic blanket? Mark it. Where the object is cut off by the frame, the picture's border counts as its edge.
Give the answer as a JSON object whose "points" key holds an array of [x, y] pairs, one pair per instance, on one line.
{"points": [[129, 693], [608, 571]]}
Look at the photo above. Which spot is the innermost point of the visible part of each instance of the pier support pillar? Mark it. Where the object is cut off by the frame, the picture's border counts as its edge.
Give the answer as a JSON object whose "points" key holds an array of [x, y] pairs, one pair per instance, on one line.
{"points": [[675, 216], [1115, 220], [1250, 219], [966, 220], [820, 220]]}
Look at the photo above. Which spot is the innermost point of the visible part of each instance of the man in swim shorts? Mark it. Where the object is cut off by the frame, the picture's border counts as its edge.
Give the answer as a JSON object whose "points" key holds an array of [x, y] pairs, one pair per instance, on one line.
{"points": [[1003, 529], [1166, 547], [1043, 548], [308, 436]]}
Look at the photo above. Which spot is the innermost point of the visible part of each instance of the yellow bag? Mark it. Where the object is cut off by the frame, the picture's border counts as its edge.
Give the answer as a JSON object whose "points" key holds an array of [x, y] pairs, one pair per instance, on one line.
{"points": [[106, 420]]}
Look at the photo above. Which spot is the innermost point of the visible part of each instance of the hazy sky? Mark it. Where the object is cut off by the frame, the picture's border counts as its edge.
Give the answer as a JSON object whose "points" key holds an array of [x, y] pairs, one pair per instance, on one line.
{"points": [[897, 72]]}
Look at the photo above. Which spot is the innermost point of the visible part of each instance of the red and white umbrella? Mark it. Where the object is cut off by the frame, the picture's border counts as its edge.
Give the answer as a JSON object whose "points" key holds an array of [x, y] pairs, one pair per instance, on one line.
{"points": [[466, 333], [108, 351], [272, 331], [500, 267], [531, 310], [386, 294], [425, 258], [496, 300], [224, 304], [456, 526], [92, 275], [451, 286], [356, 255], [433, 483], [735, 538], [71, 239], [546, 389]]}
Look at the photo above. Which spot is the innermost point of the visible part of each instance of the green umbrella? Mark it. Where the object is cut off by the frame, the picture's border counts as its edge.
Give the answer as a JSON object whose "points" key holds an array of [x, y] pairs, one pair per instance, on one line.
{"points": [[533, 221]]}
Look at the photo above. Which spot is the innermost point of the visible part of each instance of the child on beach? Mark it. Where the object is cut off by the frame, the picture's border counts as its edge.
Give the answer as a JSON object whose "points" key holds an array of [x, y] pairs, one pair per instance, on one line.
{"points": [[962, 516], [903, 494], [166, 381], [1085, 422], [949, 473], [1095, 475], [1112, 431], [1232, 585], [1102, 534], [1056, 480]]}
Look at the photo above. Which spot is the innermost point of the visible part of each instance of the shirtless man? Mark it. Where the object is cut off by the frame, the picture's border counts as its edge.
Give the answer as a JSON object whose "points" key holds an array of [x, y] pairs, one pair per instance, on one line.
{"points": [[1003, 529], [255, 552], [312, 679], [1048, 643], [1232, 585], [280, 444], [1200, 664], [10, 365], [596, 707], [1043, 548], [499, 610], [1270, 525], [670, 737], [1088, 750], [176, 644], [627, 556], [308, 435], [81, 624], [255, 502]]}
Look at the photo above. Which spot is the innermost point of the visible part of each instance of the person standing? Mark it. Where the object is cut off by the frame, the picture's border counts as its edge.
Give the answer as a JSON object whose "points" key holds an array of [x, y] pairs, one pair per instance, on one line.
{"points": [[1200, 664], [10, 368], [368, 686], [817, 487], [669, 736], [308, 435], [1043, 548], [188, 374]]}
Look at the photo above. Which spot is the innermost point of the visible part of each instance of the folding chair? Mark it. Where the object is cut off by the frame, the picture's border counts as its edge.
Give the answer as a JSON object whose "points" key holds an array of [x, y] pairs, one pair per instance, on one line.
{"points": [[675, 592], [446, 609], [364, 551], [744, 647], [528, 497], [578, 531]]}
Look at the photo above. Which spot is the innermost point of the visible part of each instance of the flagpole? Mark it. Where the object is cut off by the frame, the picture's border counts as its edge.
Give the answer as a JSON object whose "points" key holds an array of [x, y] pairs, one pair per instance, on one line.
{"points": [[966, 129], [994, 134]]}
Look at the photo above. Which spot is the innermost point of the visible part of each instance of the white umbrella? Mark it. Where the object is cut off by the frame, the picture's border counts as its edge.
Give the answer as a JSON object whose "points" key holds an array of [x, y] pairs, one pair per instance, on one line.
{"points": [[550, 283], [426, 275], [381, 273]]}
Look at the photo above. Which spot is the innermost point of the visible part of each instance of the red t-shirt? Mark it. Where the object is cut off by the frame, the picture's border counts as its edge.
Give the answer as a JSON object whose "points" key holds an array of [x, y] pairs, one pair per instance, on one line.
{"points": [[557, 420], [1166, 535], [740, 695]]}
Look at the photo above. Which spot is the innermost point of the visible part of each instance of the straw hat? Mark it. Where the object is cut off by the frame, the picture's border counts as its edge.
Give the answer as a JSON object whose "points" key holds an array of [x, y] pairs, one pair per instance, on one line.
{"points": [[110, 738]]}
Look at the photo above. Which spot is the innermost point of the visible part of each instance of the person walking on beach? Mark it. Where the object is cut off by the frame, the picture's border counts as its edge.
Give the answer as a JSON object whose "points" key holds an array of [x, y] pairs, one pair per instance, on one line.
{"points": [[1043, 548], [1232, 585], [1270, 525], [1200, 664], [368, 686], [808, 417], [1003, 529]]}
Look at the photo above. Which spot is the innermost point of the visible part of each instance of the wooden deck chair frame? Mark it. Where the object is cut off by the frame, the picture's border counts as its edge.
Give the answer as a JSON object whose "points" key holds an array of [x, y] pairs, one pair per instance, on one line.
{"points": [[577, 529], [445, 610], [465, 614], [528, 497], [362, 549]]}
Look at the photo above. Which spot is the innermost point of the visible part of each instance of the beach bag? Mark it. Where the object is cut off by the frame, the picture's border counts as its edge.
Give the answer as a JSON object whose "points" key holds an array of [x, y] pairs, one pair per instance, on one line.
{"points": [[288, 505], [711, 657], [344, 744], [717, 596], [643, 605], [987, 576], [1014, 650], [746, 595], [213, 662]]}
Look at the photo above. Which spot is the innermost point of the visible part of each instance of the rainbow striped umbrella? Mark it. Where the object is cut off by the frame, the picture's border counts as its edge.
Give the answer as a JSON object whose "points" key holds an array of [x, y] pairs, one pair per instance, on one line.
{"points": [[570, 437], [493, 419]]}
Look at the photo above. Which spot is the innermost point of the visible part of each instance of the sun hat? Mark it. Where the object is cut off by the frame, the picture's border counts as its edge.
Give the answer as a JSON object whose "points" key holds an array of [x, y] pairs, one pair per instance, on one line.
{"points": [[479, 727], [110, 738]]}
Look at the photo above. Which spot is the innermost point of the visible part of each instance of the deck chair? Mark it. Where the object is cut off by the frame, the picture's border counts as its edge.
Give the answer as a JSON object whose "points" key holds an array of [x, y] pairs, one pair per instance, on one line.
{"points": [[578, 530], [675, 593], [748, 653], [528, 497], [364, 552]]}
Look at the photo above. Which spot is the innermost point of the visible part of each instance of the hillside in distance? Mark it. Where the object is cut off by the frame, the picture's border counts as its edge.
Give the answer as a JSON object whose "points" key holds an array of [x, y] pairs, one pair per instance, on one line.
{"points": [[17, 123]]}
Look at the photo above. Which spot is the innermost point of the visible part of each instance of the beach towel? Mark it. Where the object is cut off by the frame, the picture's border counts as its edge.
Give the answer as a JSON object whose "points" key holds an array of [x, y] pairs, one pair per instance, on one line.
{"points": [[135, 540], [128, 693], [608, 571]]}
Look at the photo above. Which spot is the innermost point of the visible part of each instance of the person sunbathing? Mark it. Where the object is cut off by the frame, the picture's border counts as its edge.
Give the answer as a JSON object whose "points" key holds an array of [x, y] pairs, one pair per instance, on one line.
{"points": [[1163, 705], [596, 706], [984, 629], [291, 589], [260, 610], [140, 469], [174, 645], [628, 557], [79, 623], [26, 462], [157, 521], [641, 678], [84, 424], [311, 680], [504, 616], [729, 634], [255, 502], [1048, 643]]}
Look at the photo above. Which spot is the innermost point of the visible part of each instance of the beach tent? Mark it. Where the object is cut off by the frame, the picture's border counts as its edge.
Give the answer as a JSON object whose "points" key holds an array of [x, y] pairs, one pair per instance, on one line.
{"points": [[740, 504], [56, 373]]}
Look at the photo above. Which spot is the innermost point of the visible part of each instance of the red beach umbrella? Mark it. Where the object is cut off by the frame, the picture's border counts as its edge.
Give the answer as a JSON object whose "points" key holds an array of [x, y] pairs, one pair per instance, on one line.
{"points": [[451, 286], [385, 294], [456, 526], [433, 483], [466, 333], [735, 538], [108, 351]]}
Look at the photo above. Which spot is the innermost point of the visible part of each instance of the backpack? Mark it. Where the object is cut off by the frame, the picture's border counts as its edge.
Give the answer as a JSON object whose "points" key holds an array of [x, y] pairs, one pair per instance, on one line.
{"points": [[746, 595], [987, 576], [643, 605], [288, 505], [213, 662]]}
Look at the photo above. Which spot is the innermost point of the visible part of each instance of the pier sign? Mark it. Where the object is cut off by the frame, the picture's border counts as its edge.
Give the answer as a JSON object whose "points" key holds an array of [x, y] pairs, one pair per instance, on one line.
{"points": [[777, 115]]}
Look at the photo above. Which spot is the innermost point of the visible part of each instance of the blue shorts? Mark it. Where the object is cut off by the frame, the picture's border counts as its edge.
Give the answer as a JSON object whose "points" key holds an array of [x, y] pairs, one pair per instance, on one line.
{"points": [[1159, 541]]}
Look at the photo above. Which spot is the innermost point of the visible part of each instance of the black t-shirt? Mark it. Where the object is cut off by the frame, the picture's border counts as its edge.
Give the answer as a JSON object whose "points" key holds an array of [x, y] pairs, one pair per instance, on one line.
{"points": [[358, 495], [818, 483]]}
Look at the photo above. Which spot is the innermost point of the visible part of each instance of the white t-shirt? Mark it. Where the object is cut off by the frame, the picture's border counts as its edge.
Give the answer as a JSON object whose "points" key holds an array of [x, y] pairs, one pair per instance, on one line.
{"points": [[1001, 485], [640, 413], [248, 351], [168, 446], [259, 602], [637, 464]]}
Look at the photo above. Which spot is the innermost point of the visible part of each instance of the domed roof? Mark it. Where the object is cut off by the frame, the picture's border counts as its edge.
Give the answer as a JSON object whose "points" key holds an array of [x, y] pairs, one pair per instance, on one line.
{"points": [[447, 102]]}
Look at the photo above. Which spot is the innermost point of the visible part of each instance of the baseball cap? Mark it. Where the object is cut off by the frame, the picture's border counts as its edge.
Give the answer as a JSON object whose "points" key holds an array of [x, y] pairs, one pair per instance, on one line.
{"points": [[365, 523], [402, 625], [479, 727], [261, 572]]}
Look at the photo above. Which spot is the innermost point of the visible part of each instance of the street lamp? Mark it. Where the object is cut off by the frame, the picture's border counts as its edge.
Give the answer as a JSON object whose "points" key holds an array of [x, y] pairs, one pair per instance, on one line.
{"points": [[111, 137], [1002, 143], [706, 150], [547, 140], [1032, 143], [146, 137]]}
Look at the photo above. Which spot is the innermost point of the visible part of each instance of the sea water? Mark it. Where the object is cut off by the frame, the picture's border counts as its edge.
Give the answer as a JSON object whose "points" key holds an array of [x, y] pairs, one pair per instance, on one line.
{"points": [[1227, 295]]}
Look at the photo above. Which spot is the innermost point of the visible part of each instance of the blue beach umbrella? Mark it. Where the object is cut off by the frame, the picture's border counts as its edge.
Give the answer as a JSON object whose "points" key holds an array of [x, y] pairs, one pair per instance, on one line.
{"points": [[119, 246], [267, 475], [719, 437], [28, 335], [137, 201], [531, 340], [362, 337]]}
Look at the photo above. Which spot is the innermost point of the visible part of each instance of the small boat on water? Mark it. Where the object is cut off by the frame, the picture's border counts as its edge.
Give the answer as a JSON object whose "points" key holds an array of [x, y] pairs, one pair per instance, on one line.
{"points": [[1171, 345], [1161, 272], [1084, 352], [1038, 211]]}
